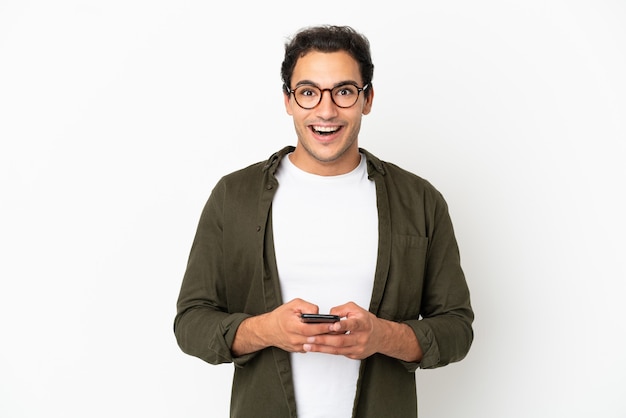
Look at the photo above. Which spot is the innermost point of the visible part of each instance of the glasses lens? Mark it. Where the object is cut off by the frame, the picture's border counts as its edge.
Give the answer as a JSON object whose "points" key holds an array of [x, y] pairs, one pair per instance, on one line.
{"points": [[346, 95], [307, 96]]}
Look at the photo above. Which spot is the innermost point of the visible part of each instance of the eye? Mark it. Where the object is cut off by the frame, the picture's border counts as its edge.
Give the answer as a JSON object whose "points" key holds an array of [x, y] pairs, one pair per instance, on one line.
{"points": [[307, 91], [346, 90]]}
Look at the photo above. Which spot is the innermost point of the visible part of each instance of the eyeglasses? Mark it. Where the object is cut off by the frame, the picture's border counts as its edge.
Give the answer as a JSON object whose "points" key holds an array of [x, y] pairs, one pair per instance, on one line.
{"points": [[308, 96]]}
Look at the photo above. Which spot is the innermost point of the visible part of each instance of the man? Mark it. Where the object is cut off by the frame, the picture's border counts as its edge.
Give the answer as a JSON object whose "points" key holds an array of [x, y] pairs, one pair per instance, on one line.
{"points": [[325, 227]]}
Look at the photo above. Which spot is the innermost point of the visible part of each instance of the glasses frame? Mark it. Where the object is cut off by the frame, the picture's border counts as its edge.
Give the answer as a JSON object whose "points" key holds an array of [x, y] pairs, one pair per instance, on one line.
{"points": [[293, 91]]}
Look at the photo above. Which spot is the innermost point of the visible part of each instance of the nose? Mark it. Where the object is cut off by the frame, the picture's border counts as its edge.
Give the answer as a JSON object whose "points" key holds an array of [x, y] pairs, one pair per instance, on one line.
{"points": [[327, 107]]}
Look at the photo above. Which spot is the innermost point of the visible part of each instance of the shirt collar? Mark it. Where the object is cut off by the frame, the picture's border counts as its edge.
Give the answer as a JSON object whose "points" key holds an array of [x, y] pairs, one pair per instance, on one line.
{"points": [[373, 163]]}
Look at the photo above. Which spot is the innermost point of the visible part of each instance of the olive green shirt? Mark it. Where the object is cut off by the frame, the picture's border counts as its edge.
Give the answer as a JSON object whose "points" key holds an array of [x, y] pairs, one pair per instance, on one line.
{"points": [[232, 275]]}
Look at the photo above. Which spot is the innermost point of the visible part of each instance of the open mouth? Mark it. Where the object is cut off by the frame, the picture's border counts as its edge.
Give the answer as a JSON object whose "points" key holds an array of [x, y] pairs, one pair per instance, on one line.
{"points": [[325, 130]]}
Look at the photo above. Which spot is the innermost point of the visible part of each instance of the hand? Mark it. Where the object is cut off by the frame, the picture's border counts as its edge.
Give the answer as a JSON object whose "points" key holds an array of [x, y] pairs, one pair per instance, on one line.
{"points": [[280, 328], [285, 328], [357, 336], [362, 334]]}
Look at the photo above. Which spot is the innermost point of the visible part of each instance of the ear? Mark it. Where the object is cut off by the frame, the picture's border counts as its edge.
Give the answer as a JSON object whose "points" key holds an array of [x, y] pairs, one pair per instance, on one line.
{"points": [[367, 106], [287, 100]]}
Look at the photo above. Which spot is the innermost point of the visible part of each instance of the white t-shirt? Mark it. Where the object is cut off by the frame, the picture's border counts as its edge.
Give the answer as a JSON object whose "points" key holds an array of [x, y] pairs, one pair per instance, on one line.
{"points": [[326, 241]]}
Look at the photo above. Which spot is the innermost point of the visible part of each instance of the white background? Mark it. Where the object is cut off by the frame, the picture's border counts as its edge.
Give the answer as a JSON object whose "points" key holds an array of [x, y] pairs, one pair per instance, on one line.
{"points": [[118, 117]]}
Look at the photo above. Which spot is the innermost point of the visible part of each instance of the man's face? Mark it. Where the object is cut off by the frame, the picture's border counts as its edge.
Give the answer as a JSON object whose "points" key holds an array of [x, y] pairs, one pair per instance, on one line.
{"points": [[327, 134]]}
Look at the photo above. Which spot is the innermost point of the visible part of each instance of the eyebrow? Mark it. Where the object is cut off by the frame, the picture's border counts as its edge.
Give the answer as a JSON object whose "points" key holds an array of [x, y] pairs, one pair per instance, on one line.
{"points": [[312, 83]]}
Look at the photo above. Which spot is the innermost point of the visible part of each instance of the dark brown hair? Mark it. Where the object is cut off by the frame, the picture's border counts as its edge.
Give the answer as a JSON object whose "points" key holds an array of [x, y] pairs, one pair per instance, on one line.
{"points": [[328, 38]]}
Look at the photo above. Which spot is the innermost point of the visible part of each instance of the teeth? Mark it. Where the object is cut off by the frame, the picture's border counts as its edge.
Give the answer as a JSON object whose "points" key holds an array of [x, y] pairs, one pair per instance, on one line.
{"points": [[325, 128]]}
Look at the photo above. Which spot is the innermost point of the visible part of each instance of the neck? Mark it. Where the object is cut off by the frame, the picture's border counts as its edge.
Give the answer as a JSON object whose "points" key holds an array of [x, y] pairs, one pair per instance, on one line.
{"points": [[343, 164]]}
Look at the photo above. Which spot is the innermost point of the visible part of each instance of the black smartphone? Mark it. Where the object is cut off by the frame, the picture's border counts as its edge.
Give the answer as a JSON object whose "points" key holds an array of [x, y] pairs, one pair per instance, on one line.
{"points": [[319, 318]]}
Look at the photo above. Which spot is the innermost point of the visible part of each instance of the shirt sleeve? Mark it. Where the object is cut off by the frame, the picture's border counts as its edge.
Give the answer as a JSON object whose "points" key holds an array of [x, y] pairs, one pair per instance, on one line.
{"points": [[203, 327], [444, 329]]}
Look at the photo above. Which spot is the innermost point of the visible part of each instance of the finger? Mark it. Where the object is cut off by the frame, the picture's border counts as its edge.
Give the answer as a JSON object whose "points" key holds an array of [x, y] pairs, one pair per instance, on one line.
{"points": [[310, 329], [344, 345], [339, 347], [342, 310], [338, 327], [348, 310], [331, 341], [325, 349], [302, 306], [347, 325]]}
